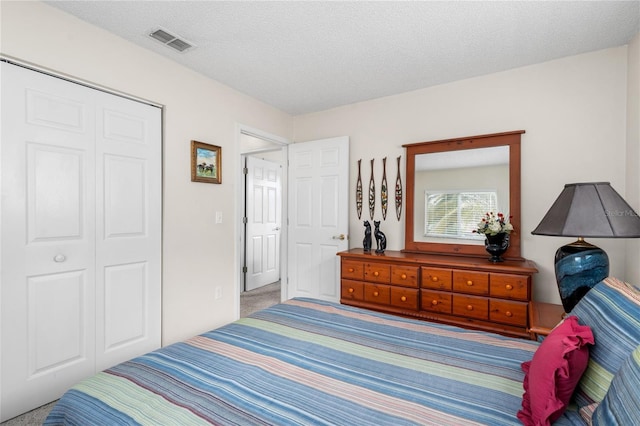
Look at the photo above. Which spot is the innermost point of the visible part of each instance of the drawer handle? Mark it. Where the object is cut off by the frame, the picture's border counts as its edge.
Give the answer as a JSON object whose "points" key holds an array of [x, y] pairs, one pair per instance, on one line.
{"points": [[469, 283], [403, 276], [376, 273], [375, 293], [508, 287], [469, 307], [509, 314], [434, 302], [351, 269], [351, 290], [403, 298], [434, 279]]}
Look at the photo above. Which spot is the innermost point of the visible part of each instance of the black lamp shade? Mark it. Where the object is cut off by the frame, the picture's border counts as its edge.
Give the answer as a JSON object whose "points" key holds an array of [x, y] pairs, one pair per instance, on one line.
{"points": [[593, 210], [590, 210]]}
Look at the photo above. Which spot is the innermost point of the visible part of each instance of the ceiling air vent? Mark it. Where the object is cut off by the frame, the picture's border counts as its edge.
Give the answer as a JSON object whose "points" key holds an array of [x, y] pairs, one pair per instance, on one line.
{"points": [[171, 40]]}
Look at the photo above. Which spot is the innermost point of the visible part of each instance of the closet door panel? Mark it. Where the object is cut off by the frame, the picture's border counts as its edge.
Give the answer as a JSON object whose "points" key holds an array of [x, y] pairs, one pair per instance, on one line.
{"points": [[47, 238], [125, 309], [55, 330], [125, 197], [129, 185]]}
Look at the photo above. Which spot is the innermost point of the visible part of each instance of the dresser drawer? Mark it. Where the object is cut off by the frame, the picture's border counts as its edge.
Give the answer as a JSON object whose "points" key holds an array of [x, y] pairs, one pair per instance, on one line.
{"points": [[453, 289], [471, 282], [471, 306], [352, 290], [406, 276], [377, 272], [436, 278], [435, 301], [377, 293], [406, 298], [508, 312], [507, 286], [352, 269]]}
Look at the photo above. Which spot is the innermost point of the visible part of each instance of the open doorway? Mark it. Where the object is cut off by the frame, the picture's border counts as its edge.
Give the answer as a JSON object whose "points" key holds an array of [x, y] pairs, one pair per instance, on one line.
{"points": [[262, 206]]}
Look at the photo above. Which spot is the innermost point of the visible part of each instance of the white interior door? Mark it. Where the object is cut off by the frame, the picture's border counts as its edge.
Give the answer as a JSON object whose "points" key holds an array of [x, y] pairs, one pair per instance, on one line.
{"points": [[64, 291], [318, 216], [264, 222], [48, 238], [128, 171]]}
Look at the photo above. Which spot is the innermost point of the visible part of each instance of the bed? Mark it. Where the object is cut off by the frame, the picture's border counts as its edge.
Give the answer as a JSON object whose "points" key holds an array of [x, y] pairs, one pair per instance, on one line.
{"points": [[311, 362]]}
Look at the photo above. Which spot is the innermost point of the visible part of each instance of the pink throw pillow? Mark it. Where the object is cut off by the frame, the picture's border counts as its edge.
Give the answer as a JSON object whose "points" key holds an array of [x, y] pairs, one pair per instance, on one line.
{"points": [[553, 373]]}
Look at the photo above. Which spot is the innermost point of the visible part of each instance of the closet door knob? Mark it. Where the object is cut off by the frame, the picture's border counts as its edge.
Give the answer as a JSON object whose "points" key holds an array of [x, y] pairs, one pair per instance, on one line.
{"points": [[59, 258]]}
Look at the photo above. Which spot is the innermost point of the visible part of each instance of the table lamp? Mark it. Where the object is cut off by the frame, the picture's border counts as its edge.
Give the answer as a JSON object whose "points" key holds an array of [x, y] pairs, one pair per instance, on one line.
{"points": [[586, 210]]}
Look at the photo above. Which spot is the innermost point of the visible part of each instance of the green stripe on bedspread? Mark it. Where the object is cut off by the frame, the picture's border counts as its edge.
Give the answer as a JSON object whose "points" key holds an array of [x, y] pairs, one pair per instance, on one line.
{"points": [[139, 404], [309, 362]]}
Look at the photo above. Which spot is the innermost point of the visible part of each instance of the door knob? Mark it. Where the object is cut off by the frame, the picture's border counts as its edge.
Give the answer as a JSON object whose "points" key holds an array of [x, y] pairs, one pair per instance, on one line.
{"points": [[338, 237], [277, 228], [59, 258]]}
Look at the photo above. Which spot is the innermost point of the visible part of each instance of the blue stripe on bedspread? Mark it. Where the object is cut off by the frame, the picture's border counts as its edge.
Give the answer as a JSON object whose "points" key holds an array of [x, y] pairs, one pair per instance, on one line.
{"points": [[312, 362]]}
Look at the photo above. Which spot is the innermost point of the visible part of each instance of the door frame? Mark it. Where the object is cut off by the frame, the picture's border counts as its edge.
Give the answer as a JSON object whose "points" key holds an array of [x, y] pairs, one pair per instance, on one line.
{"points": [[277, 141]]}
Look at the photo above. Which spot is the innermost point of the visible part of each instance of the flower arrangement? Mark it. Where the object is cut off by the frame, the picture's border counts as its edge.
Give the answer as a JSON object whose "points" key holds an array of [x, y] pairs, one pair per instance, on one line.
{"points": [[493, 224]]}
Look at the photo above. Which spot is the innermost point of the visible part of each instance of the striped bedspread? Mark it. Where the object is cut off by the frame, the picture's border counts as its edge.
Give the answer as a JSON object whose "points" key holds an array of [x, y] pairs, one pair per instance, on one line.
{"points": [[309, 362]]}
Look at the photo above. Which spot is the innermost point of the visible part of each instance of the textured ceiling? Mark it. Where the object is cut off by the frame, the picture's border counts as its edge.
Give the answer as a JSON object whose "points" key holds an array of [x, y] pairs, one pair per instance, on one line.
{"points": [[309, 56]]}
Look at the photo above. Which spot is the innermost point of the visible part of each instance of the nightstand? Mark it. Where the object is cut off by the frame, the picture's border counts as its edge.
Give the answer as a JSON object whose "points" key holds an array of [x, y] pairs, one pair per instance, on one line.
{"points": [[543, 317]]}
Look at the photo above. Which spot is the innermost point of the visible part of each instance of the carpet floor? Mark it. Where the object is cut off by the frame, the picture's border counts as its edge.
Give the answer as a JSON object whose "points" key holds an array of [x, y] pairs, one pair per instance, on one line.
{"points": [[260, 298], [250, 301]]}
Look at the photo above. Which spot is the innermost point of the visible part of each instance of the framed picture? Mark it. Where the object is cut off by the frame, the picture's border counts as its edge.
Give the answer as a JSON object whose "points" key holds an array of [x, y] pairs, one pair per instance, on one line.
{"points": [[206, 161]]}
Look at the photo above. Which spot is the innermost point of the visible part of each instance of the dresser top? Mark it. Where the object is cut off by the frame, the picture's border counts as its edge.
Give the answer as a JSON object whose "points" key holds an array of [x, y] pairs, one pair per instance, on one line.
{"points": [[523, 266]]}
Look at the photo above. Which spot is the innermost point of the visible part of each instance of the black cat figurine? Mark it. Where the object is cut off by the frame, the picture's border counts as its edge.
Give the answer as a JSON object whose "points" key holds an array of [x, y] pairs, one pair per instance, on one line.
{"points": [[381, 239], [366, 243]]}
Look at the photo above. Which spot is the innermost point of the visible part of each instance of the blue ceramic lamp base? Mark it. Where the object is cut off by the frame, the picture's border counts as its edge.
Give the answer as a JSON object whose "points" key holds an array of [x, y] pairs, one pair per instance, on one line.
{"points": [[579, 266]]}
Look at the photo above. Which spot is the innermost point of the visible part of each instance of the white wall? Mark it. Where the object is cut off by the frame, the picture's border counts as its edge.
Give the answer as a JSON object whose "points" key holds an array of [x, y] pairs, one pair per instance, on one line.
{"points": [[574, 114], [574, 110], [633, 153], [197, 254]]}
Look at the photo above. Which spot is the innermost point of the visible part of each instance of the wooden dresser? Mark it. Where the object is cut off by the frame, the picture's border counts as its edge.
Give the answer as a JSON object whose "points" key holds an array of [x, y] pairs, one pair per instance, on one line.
{"points": [[466, 291]]}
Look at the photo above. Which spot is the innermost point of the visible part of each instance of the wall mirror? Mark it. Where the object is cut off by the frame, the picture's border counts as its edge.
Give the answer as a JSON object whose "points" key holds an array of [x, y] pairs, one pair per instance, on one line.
{"points": [[451, 183]]}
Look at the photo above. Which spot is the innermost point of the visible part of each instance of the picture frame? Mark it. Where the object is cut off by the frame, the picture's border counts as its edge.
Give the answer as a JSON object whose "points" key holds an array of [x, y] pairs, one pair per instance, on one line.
{"points": [[206, 162]]}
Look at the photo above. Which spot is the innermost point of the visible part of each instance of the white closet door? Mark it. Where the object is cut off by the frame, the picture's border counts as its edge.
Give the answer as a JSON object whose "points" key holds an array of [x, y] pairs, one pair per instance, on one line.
{"points": [[52, 210], [128, 240]]}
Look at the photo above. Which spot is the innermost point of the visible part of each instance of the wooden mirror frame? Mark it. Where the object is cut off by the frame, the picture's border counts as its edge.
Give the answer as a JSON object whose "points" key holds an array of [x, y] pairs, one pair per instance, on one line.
{"points": [[510, 139]]}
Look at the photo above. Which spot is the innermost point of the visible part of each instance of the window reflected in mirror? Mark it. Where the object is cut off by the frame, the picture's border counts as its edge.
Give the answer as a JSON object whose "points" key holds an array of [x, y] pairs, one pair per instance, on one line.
{"points": [[454, 214], [457, 188]]}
